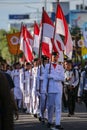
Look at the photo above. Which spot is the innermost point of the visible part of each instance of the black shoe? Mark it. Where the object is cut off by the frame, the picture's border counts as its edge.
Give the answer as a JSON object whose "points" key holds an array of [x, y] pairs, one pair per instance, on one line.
{"points": [[59, 127], [49, 125], [24, 110], [72, 113], [40, 118], [35, 115], [69, 115], [46, 120]]}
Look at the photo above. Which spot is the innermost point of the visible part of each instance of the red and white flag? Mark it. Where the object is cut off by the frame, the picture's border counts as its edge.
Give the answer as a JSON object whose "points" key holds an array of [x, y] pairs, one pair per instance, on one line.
{"points": [[59, 42], [62, 28], [57, 48], [25, 44], [48, 27], [36, 39], [46, 46], [46, 33], [29, 37]]}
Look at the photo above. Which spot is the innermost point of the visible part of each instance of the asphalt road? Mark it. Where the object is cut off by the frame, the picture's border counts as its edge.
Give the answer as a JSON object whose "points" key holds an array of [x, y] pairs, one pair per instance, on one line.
{"points": [[77, 122]]}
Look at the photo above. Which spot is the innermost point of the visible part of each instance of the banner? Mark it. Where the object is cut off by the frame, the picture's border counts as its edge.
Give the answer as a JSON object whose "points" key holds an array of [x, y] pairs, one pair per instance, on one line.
{"points": [[13, 43], [84, 51]]}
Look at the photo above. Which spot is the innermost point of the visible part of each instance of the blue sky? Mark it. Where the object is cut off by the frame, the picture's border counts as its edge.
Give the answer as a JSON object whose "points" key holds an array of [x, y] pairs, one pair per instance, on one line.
{"points": [[19, 7]]}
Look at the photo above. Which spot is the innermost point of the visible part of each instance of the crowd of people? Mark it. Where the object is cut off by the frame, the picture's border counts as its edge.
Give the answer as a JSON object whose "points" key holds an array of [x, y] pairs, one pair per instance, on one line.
{"points": [[41, 88]]}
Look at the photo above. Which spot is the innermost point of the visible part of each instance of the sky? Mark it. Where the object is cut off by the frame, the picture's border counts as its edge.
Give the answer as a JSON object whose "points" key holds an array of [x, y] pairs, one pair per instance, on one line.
{"points": [[23, 7], [19, 7]]}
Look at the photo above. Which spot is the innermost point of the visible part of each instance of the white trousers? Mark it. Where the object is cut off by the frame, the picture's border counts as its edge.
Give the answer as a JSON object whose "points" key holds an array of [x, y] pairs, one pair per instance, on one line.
{"points": [[54, 105]]}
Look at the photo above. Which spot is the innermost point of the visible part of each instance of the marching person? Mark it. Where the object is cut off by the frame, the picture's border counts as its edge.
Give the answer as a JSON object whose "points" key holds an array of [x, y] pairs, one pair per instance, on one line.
{"points": [[54, 76], [34, 95], [41, 91], [26, 82], [17, 89]]}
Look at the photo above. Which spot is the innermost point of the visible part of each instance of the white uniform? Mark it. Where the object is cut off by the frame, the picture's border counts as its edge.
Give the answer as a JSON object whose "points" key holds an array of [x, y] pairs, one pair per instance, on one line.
{"points": [[17, 90], [26, 82], [55, 77], [41, 88], [34, 96]]}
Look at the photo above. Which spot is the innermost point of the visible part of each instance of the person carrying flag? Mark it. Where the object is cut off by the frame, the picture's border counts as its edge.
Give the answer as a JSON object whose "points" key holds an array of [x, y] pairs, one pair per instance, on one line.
{"points": [[55, 76], [41, 89]]}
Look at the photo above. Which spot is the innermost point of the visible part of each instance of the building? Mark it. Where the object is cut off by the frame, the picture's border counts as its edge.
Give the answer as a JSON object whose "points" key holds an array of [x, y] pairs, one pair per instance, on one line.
{"points": [[75, 12]]}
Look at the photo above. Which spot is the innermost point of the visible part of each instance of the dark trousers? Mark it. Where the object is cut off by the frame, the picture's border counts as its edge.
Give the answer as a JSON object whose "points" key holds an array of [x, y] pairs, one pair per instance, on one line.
{"points": [[71, 101], [65, 97], [85, 97]]}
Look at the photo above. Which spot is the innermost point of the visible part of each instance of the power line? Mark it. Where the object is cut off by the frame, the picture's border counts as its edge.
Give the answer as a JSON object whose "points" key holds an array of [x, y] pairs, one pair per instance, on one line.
{"points": [[24, 2]]}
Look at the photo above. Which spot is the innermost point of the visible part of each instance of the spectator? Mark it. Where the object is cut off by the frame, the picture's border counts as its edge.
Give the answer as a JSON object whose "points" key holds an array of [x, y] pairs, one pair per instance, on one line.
{"points": [[82, 91], [7, 105], [70, 83]]}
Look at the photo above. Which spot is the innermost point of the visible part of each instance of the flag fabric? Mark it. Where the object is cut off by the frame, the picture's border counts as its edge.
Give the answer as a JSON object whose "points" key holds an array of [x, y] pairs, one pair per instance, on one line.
{"points": [[36, 41], [59, 42], [29, 37], [25, 44], [84, 51], [61, 56], [48, 27], [62, 28], [85, 38], [13, 43], [58, 49], [46, 46], [48, 31]]}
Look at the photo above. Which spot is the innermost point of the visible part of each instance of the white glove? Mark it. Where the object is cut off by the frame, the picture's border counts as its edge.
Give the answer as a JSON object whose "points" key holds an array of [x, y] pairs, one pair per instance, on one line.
{"points": [[50, 76], [41, 77]]}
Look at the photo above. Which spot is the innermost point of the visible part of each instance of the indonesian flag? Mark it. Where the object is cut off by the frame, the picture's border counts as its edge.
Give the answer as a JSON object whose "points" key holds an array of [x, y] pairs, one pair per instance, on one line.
{"points": [[25, 44], [48, 27], [46, 44], [59, 43], [62, 28], [29, 37], [36, 39], [46, 47], [57, 48], [46, 33]]}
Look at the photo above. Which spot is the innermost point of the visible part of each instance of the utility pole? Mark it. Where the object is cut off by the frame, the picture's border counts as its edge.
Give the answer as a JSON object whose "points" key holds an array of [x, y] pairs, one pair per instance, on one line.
{"points": [[83, 3], [45, 4]]}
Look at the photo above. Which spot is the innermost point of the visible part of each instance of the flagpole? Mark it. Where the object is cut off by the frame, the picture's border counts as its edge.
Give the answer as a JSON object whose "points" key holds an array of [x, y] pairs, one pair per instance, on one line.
{"points": [[23, 70], [34, 35], [40, 52], [52, 48], [40, 47], [15, 56]]}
